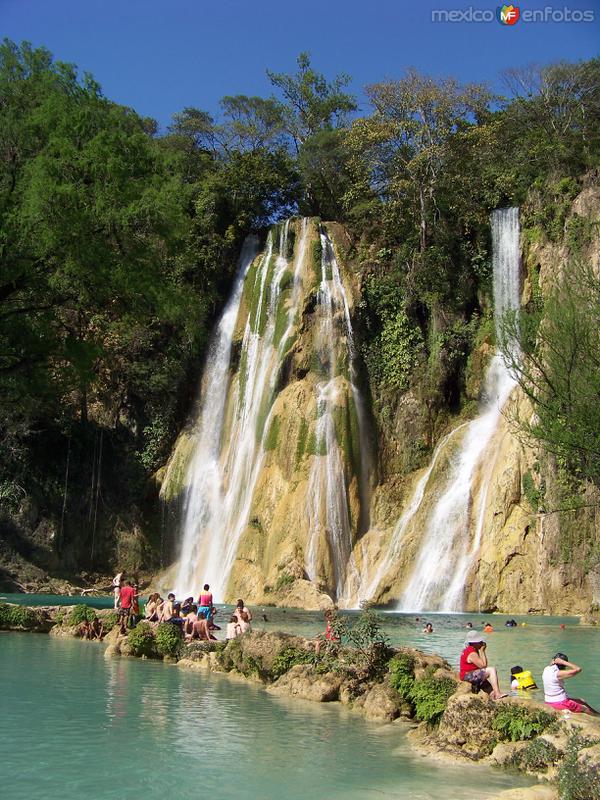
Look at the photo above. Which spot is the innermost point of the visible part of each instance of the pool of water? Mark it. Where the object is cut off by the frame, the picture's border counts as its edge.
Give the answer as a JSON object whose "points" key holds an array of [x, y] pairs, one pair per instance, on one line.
{"points": [[531, 644], [75, 724]]}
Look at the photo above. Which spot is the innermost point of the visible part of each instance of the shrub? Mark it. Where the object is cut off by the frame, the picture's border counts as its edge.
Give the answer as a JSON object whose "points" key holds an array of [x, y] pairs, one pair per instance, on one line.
{"points": [[538, 756], [577, 781], [12, 616], [141, 640], [109, 620], [169, 639], [429, 696], [402, 674], [371, 652], [79, 614], [288, 658], [284, 580], [515, 723]]}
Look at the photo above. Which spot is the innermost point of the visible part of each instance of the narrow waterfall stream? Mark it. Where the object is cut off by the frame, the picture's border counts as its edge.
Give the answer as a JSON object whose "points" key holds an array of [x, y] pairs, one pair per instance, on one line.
{"points": [[455, 526], [226, 463], [328, 496]]}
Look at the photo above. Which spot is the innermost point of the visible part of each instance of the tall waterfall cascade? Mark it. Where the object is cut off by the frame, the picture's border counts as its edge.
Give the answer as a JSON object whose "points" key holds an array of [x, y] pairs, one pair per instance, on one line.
{"points": [[455, 526], [329, 513], [260, 371]]}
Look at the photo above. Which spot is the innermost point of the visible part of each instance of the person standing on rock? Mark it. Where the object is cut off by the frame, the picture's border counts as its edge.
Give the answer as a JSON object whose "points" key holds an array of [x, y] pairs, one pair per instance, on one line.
{"points": [[474, 666], [559, 669], [117, 580], [205, 603], [126, 597]]}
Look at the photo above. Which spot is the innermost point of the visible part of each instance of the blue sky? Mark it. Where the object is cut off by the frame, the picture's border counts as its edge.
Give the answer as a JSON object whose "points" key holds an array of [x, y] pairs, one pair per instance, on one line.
{"points": [[161, 55]]}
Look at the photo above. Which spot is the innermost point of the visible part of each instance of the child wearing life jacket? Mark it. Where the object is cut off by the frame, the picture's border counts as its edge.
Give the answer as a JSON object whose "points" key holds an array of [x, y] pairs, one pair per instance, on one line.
{"points": [[521, 679]]}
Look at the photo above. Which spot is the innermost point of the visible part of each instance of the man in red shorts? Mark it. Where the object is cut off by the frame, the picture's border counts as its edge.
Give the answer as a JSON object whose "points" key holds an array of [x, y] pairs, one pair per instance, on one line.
{"points": [[553, 675]]}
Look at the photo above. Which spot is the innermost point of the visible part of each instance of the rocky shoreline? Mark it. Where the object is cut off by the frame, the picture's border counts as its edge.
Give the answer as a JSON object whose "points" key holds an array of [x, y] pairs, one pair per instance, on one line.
{"points": [[447, 721]]}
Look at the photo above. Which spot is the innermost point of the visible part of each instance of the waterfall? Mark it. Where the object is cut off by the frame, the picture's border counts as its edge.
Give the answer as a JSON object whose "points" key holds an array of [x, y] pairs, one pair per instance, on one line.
{"points": [[455, 525], [234, 415], [328, 490]]}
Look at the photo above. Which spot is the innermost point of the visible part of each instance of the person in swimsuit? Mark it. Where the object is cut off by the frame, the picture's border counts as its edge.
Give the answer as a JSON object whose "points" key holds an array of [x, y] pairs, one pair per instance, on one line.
{"points": [[233, 628], [240, 607], [474, 667], [205, 602], [117, 580], [559, 669], [152, 607], [428, 628], [200, 629], [330, 636]]}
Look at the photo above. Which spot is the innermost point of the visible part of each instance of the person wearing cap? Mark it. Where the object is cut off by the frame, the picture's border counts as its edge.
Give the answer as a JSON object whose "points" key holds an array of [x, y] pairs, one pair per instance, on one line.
{"points": [[474, 666], [553, 675]]}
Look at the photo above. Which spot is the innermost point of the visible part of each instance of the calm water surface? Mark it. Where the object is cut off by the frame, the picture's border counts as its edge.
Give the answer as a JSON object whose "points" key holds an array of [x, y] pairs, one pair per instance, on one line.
{"points": [[76, 725]]}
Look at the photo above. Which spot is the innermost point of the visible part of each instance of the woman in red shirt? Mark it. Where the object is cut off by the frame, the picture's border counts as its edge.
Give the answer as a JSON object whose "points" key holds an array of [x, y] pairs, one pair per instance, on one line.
{"points": [[474, 666]]}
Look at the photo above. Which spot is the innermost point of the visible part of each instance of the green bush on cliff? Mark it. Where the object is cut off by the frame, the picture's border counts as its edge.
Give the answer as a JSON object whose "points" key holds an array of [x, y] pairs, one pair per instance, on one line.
{"points": [[169, 640], [17, 616], [288, 658], [109, 620], [402, 674], [141, 640], [515, 723], [537, 756], [430, 696], [79, 614], [370, 652], [577, 781]]}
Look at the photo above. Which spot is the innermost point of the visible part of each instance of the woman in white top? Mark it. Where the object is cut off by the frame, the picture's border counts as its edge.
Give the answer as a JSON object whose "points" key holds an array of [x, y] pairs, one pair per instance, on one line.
{"points": [[117, 588], [553, 675]]}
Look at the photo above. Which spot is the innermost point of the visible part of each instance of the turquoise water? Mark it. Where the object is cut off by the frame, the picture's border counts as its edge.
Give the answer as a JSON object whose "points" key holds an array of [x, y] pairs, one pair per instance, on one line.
{"points": [[77, 725], [531, 646]]}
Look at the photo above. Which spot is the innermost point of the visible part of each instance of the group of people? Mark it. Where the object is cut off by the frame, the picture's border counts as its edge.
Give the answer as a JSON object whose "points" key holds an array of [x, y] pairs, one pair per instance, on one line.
{"points": [[475, 669], [196, 618]]}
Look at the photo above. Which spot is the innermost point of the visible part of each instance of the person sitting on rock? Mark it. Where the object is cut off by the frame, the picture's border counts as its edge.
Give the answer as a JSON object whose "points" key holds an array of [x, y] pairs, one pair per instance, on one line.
{"points": [[153, 605], [96, 629], [474, 667], [233, 628], [200, 629], [559, 669], [190, 618], [186, 606], [167, 609], [244, 622], [241, 608]]}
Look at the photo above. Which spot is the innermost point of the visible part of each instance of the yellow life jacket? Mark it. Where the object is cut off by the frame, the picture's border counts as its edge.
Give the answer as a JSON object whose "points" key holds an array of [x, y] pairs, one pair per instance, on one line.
{"points": [[525, 679]]}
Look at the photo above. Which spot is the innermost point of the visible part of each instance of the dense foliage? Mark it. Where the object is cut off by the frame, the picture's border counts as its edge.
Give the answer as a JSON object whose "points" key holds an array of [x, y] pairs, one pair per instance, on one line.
{"points": [[117, 247]]}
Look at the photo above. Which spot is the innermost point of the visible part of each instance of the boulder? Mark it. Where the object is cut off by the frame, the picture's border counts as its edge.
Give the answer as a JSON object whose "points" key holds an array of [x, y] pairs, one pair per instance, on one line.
{"points": [[466, 725], [302, 681], [382, 703]]}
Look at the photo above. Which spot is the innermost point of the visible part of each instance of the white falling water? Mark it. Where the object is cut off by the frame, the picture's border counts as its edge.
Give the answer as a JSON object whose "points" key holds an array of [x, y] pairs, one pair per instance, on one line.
{"points": [[448, 549], [223, 472], [329, 517], [369, 584]]}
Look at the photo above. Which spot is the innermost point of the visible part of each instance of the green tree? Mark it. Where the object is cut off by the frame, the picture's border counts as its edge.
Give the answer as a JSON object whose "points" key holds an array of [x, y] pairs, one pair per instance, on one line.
{"points": [[557, 364]]}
